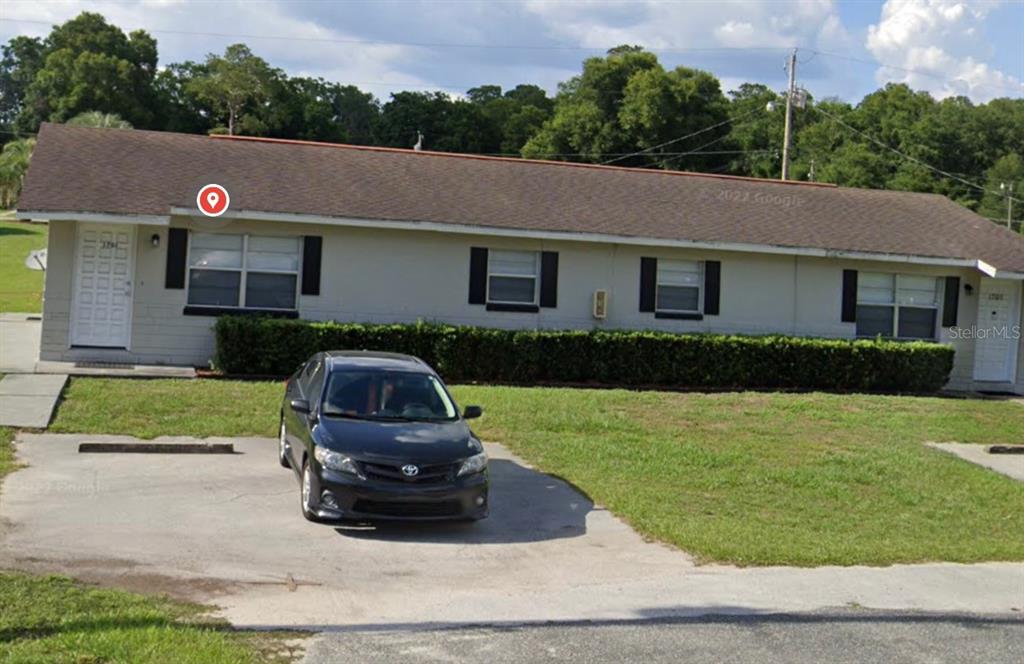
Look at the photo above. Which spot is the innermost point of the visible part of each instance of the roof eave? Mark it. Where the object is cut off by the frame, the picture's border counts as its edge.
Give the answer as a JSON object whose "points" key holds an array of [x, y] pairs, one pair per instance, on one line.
{"points": [[568, 236], [93, 217]]}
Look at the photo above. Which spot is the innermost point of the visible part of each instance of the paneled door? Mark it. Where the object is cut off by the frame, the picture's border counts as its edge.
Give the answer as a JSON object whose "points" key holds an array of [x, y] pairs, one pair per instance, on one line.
{"points": [[995, 352], [102, 299]]}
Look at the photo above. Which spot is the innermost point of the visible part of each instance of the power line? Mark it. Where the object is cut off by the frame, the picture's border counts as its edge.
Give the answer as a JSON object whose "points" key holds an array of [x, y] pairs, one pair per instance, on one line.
{"points": [[940, 77], [909, 158], [376, 42], [682, 138], [535, 47]]}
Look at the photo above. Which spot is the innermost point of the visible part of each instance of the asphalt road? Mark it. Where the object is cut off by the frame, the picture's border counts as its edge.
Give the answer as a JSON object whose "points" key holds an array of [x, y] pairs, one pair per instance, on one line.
{"points": [[846, 636]]}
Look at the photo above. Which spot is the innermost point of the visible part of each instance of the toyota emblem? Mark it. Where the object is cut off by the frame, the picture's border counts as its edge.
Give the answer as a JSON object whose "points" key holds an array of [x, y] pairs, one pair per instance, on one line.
{"points": [[410, 470]]}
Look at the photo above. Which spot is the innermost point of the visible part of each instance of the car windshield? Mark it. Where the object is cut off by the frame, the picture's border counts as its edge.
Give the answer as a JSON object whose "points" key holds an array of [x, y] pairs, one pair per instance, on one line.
{"points": [[386, 395]]}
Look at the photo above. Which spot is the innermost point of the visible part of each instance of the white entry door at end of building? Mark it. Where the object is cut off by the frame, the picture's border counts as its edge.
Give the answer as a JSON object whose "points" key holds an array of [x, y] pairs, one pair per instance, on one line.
{"points": [[995, 352], [102, 298]]}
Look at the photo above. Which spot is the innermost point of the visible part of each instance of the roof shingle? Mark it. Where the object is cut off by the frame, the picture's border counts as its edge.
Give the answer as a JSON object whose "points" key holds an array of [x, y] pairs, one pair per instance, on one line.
{"points": [[79, 169]]}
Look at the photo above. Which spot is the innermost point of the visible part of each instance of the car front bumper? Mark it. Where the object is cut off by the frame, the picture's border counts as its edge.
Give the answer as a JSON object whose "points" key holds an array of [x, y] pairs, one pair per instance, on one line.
{"points": [[355, 498]]}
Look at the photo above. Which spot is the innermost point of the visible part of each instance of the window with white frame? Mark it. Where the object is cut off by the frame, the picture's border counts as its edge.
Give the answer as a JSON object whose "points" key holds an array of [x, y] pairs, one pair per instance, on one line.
{"points": [[512, 276], [251, 271], [897, 305], [679, 286]]}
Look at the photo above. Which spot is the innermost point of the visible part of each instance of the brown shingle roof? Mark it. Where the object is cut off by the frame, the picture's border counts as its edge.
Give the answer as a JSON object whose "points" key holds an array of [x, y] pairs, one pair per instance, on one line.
{"points": [[78, 169]]}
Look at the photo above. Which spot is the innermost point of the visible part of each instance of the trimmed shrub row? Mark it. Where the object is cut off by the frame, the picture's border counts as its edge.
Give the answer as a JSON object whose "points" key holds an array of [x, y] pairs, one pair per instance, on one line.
{"points": [[270, 346]]}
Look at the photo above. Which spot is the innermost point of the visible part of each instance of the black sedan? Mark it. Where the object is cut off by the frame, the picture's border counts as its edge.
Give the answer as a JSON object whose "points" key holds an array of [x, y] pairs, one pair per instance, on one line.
{"points": [[374, 436]]}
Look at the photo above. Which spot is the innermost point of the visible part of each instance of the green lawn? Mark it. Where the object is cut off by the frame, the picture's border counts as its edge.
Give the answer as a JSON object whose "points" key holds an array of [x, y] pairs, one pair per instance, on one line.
{"points": [[55, 619], [750, 478], [21, 289]]}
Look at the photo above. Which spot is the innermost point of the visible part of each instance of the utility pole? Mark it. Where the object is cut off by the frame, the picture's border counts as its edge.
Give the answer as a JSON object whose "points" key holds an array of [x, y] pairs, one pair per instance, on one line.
{"points": [[789, 115], [1008, 188]]}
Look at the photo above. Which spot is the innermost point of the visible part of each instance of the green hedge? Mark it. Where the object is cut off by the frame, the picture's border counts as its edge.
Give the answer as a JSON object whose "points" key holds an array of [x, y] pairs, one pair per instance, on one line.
{"points": [[269, 346]]}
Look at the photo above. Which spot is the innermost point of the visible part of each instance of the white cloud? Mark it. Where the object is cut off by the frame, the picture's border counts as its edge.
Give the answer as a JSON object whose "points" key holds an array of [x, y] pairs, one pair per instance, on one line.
{"points": [[744, 24], [942, 41]]}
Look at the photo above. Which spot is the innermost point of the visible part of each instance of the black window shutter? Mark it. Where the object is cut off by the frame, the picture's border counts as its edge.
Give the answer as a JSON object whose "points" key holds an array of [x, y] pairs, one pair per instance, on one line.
{"points": [[712, 287], [478, 275], [951, 301], [849, 296], [177, 248], [648, 283], [312, 250], [549, 279]]}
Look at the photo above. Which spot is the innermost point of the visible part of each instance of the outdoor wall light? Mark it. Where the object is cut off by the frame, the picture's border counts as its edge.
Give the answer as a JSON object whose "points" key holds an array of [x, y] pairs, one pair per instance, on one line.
{"points": [[968, 289], [155, 240]]}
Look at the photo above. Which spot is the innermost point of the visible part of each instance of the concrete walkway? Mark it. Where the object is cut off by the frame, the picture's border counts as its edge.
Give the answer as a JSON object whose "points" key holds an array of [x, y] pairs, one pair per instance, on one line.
{"points": [[27, 400], [1011, 465], [19, 342], [227, 529]]}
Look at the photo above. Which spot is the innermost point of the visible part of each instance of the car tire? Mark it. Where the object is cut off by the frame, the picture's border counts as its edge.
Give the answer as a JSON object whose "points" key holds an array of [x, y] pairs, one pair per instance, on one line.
{"points": [[282, 446], [306, 493]]}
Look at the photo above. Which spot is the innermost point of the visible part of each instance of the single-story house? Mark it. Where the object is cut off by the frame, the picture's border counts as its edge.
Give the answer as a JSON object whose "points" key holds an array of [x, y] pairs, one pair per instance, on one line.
{"points": [[138, 274]]}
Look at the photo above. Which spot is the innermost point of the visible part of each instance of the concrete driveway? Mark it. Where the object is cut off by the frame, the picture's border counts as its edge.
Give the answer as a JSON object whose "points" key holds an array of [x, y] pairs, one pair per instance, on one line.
{"points": [[227, 529]]}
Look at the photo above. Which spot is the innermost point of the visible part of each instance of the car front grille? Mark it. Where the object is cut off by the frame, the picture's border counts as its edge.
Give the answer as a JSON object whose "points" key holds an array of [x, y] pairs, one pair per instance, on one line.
{"points": [[407, 508], [436, 474]]}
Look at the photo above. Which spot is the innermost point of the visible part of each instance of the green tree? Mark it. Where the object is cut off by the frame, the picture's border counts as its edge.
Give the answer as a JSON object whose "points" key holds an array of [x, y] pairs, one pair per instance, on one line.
{"points": [[232, 85], [14, 162], [759, 134], [179, 108], [513, 117], [22, 58], [98, 119], [89, 64], [448, 125], [1008, 170], [627, 102]]}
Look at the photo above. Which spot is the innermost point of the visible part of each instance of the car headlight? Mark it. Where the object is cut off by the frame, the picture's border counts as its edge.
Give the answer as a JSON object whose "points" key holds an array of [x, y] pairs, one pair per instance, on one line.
{"points": [[335, 461], [473, 464]]}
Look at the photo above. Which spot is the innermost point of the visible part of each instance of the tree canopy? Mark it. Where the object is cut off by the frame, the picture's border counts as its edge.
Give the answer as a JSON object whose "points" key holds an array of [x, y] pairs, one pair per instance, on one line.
{"points": [[623, 107]]}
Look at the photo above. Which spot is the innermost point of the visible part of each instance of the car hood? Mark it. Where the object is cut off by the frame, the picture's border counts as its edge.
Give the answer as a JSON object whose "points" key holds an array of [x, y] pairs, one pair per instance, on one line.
{"points": [[415, 442]]}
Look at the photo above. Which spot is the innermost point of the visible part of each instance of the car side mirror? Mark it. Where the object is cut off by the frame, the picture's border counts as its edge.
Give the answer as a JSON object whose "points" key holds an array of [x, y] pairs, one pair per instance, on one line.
{"points": [[300, 405], [472, 412]]}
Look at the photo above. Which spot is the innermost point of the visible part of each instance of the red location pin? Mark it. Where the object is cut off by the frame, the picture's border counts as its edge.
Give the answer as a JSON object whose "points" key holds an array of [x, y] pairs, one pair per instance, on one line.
{"points": [[213, 200]]}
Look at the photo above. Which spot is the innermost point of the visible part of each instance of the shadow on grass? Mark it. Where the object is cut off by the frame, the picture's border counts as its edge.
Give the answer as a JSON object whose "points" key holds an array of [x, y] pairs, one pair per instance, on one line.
{"points": [[8, 230]]}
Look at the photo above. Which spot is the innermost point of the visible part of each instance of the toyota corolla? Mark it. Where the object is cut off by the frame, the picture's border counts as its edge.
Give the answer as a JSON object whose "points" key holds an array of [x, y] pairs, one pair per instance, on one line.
{"points": [[374, 436]]}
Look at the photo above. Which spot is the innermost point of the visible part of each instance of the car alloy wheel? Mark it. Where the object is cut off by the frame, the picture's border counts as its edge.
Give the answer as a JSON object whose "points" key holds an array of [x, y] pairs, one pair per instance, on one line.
{"points": [[307, 491], [282, 447]]}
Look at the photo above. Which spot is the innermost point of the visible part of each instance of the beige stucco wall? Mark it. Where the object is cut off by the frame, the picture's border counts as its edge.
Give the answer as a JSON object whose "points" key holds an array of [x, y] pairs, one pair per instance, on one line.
{"points": [[398, 275]]}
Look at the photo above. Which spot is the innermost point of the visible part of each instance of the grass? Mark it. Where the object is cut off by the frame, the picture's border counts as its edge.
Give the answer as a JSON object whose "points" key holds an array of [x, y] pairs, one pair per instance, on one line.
{"points": [[55, 619], [21, 289], [174, 407], [749, 478]]}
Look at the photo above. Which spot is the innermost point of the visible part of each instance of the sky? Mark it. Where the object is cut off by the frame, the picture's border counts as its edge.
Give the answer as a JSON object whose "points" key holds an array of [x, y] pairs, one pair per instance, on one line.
{"points": [[845, 49]]}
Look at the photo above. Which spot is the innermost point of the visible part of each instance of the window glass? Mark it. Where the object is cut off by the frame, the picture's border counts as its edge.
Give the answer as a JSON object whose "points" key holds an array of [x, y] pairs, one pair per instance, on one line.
{"points": [[270, 291], [522, 263], [273, 253], [511, 289], [676, 298], [678, 286], [216, 250], [918, 290], [874, 287], [678, 273], [386, 395], [313, 383], [917, 323], [214, 287], [874, 320]]}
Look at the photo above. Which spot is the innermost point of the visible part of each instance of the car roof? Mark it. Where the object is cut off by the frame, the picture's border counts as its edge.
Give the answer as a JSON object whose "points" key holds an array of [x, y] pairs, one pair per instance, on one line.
{"points": [[368, 359]]}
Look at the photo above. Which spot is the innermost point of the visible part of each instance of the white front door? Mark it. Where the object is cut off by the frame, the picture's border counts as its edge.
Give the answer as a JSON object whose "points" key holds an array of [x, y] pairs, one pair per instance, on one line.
{"points": [[102, 306], [995, 351]]}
